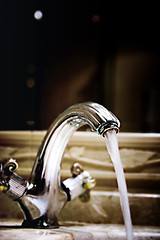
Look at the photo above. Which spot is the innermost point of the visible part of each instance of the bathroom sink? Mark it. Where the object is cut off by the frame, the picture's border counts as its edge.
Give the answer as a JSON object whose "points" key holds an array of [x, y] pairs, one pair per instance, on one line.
{"points": [[100, 217], [11, 230]]}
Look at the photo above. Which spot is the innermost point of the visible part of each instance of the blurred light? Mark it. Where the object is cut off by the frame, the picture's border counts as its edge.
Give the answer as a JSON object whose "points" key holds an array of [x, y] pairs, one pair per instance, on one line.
{"points": [[95, 18], [30, 82], [30, 122], [38, 15]]}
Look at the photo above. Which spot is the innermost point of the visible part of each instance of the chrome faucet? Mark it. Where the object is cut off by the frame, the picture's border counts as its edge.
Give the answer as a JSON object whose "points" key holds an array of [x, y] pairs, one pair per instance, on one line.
{"points": [[44, 195]]}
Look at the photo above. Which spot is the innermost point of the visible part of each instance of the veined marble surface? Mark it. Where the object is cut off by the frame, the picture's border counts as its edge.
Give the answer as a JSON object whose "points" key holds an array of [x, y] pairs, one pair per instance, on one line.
{"points": [[12, 230]]}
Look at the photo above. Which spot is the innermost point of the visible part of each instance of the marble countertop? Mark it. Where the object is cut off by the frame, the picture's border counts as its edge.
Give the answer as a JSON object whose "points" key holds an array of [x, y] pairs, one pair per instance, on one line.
{"points": [[11, 229]]}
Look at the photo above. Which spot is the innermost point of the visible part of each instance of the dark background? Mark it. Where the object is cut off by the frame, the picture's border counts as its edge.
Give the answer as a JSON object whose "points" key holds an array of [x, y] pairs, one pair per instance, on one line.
{"points": [[79, 51]]}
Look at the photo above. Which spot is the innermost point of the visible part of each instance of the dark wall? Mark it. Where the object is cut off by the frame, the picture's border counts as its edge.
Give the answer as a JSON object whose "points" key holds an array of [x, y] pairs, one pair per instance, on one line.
{"points": [[78, 51]]}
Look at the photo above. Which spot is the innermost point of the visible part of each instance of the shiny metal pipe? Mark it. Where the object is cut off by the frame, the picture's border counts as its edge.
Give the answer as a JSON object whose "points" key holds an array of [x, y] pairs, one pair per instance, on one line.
{"points": [[45, 195]]}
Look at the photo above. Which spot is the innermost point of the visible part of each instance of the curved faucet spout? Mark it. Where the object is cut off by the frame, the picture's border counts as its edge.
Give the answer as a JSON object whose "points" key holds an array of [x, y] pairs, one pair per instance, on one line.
{"points": [[46, 195], [95, 115]]}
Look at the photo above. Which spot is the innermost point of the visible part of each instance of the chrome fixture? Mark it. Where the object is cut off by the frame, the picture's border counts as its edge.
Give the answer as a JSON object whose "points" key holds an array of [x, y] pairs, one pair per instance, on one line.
{"points": [[44, 196]]}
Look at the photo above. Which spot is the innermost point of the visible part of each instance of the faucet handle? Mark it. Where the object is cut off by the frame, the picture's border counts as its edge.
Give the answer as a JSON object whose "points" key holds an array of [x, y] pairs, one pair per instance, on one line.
{"points": [[10, 166], [80, 184], [7, 167], [76, 169], [10, 182], [88, 184], [3, 184], [88, 181]]}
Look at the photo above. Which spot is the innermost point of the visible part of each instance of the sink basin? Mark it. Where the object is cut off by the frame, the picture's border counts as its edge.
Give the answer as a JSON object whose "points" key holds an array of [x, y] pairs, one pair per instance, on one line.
{"points": [[11, 230], [100, 217]]}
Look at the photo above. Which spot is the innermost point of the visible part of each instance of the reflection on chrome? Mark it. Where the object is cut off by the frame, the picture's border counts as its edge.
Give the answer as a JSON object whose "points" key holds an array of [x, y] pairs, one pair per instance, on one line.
{"points": [[44, 196]]}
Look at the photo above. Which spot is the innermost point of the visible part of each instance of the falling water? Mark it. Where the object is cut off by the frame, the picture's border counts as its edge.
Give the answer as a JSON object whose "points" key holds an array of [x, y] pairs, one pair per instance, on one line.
{"points": [[113, 150]]}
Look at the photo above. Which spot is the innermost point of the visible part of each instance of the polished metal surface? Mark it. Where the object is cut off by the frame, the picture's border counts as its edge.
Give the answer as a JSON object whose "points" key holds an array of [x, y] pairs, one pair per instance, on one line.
{"points": [[45, 195]]}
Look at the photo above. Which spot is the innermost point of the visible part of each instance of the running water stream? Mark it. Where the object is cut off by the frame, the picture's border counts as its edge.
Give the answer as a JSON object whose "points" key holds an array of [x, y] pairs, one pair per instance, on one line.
{"points": [[113, 150]]}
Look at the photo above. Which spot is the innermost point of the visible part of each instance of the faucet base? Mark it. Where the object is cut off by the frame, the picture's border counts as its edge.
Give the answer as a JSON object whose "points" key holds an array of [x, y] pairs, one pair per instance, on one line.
{"points": [[40, 223]]}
